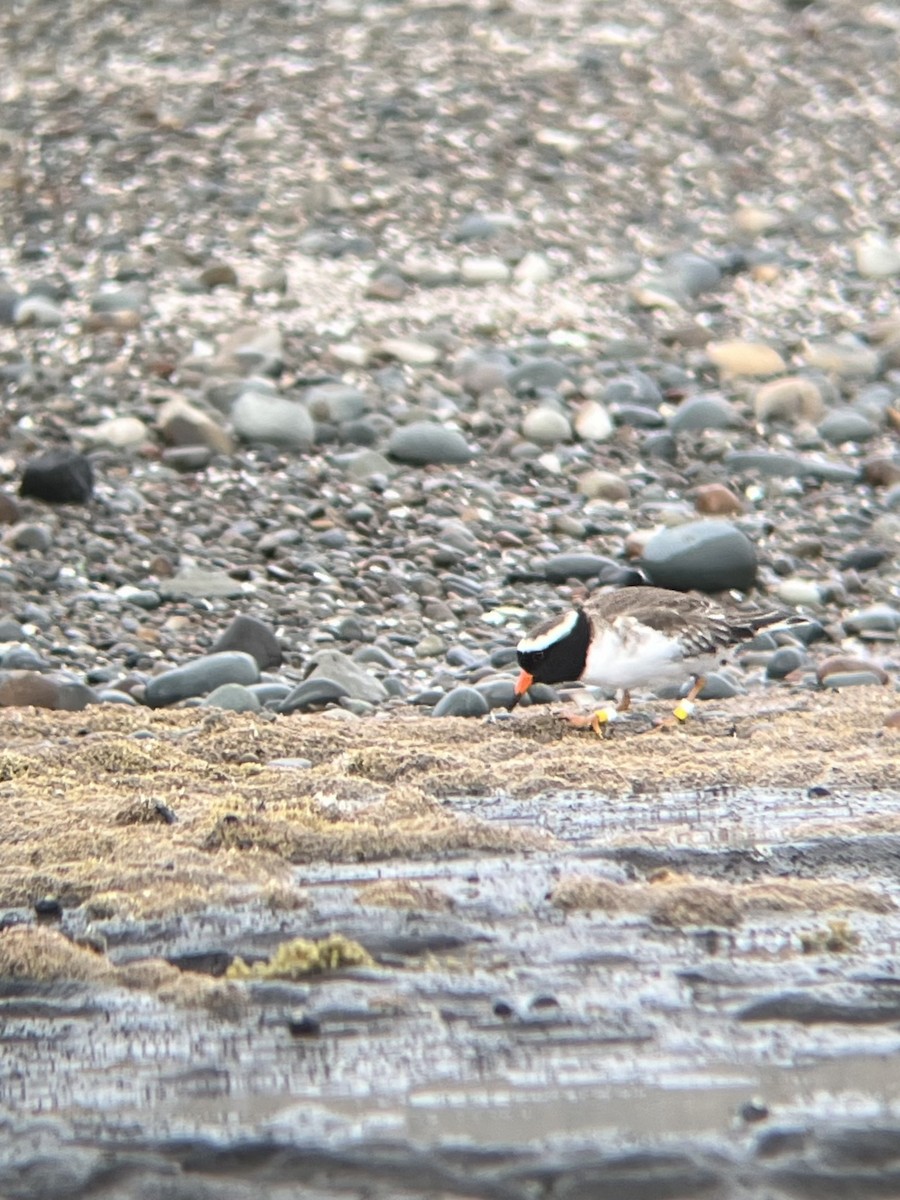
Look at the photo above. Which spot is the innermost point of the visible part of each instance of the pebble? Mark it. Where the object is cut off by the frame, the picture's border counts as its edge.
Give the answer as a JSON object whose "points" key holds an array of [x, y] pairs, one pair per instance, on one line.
{"points": [[592, 422], [410, 351], [537, 375], [717, 500], [792, 398], [484, 269], [39, 311], [772, 465], [58, 477], [234, 697], [181, 423], [597, 484], [312, 693], [357, 683], [846, 425], [703, 412], [749, 359], [146, 598], [533, 268], [461, 702], [31, 689], [261, 417], [546, 426], [878, 618], [799, 593], [424, 443], [253, 350], [841, 670], [876, 256], [22, 658], [200, 581], [576, 565], [253, 637], [121, 432], [845, 357], [29, 536], [636, 389], [784, 661], [336, 402], [11, 510], [200, 677], [707, 555]]}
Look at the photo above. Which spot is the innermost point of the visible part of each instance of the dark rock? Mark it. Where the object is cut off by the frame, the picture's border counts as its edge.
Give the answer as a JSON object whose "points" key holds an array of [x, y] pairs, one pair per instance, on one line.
{"points": [[255, 638], [709, 556], [58, 477], [312, 693], [200, 677], [461, 702]]}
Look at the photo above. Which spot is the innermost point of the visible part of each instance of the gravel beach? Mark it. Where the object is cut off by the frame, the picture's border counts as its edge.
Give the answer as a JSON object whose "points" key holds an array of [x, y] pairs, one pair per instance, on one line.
{"points": [[341, 343]]}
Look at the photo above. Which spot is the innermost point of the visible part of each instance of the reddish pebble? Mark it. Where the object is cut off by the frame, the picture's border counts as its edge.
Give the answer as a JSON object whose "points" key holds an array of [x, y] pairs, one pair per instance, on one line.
{"points": [[717, 500], [844, 664]]}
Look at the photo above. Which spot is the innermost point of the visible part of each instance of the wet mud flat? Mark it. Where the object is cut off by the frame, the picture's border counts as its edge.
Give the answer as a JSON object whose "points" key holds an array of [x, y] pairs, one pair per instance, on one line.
{"points": [[533, 963]]}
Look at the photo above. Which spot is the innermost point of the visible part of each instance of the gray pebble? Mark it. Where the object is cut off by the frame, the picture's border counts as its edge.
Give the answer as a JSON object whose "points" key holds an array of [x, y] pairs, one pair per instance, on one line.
{"points": [[28, 536], [703, 412], [879, 618], [498, 691], [336, 402], [234, 697], [461, 702], [846, 425], [710, 556], [546, 426], [270, 691], [200, 677], [38, 310], [357, 683], [635, 389], [311, 693], [200, 581], [537, 375], [784, 661], [561, 567], [145, 598], [422, 443], [254, 637], [22, 658], [260, 417]]}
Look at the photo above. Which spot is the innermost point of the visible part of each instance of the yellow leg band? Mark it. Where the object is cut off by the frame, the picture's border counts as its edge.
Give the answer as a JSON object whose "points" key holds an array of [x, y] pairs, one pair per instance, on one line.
{"points": [[684, 710]]}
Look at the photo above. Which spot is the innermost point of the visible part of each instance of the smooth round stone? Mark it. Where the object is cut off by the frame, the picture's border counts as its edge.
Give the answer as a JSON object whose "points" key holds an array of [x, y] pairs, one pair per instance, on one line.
{"points": [[498, 692], [593, 422], [546, 426], [846, 356], [145, 598], [39, 311], [125, 299], [202, 582], [703, 412], [31, 689], [635, 389], [22, 658], [879, 618], [367, 465], [846, 425], [708, 555], [336, 402], [537, 375], [561, 567], [605, 485], [785, 660], [187, 459], [430, 646], [234, 697], [477, 227], [661, 446], [483, 269], [693, 273], [181, 423], [311, 693], [30, 536], [793, 398], [261, 417], [11, 630], [423, 443], [200, 677], [409, 351], [737, 358], [841, 670], [717, 500], [876, 257], [253, 637], [771, 465], [270, 692], [121, 432], [114, 696], [799, 593], [58, 477], [533, 268], [461, 702], [863, 558], [358, 684], [719, 687]]}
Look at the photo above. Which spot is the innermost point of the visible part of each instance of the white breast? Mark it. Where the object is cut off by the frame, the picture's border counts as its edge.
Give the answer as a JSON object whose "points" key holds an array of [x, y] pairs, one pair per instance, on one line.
{"points": [[627, 654]]}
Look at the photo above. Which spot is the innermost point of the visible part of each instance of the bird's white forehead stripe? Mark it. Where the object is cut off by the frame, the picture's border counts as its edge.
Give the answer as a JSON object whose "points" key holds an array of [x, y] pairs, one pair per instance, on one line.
{"points": [[545, 638]]}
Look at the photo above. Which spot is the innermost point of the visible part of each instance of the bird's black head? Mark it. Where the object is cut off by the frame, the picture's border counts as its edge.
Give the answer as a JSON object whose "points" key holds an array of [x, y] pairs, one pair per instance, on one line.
{"points": [[556, 652]]}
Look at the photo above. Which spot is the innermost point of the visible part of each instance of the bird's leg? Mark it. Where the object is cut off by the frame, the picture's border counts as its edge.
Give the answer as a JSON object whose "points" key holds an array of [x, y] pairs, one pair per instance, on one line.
{"points": [[685, 707], [603, 717]]}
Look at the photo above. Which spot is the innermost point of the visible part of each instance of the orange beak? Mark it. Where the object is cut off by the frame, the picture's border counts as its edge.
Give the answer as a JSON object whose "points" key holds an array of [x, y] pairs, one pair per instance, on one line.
{"points": [[523, 683]]}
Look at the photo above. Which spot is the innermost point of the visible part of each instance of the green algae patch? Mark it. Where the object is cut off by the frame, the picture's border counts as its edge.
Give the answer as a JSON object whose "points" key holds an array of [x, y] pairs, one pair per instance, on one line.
{"points": [[301, 957]]}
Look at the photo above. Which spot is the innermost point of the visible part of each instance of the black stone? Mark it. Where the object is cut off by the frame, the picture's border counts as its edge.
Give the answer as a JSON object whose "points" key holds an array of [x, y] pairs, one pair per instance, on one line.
{"points": [[58, 477]]}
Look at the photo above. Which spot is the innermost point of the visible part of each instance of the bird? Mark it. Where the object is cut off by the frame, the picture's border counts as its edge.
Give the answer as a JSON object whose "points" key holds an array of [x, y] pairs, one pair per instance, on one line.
{"points": [[634, 636]]}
